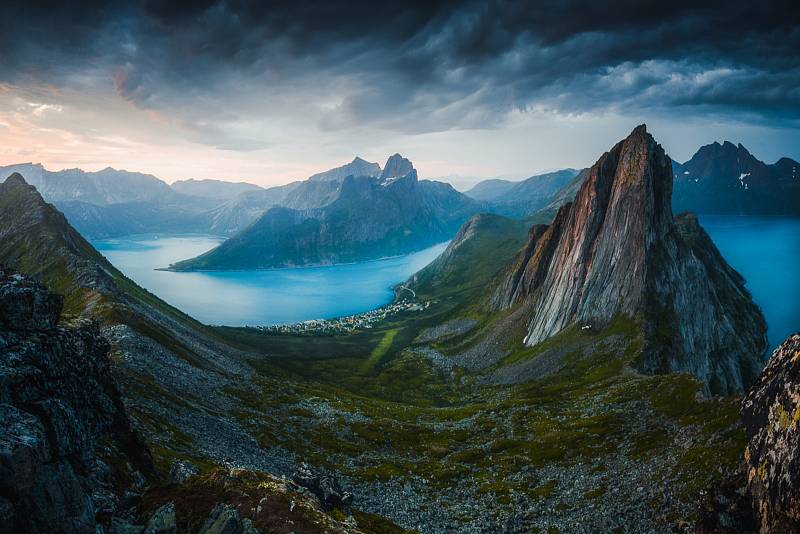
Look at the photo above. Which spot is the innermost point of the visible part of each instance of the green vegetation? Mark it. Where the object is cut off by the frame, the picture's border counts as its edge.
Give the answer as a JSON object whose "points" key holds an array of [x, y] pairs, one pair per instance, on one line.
{"points": [[391, 415]]}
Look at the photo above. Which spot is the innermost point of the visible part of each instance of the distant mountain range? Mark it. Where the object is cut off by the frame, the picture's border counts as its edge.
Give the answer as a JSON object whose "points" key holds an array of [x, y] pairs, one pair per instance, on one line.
{"points": [[360, 217], [356, 212], [727, 179], [594, 327]]}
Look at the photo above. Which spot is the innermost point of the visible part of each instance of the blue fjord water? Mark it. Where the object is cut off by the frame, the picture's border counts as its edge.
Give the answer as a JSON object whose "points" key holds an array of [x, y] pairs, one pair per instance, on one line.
{"points": [[277, 296], [765, 251]]}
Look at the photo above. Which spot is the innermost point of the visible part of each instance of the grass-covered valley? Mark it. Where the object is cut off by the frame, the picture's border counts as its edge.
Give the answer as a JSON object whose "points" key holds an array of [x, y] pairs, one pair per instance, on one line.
{"points": [[582, 375], [591, 442]]}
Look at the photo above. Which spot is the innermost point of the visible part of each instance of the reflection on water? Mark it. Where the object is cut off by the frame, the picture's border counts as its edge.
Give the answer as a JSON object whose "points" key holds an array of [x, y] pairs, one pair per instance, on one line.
{"points": [[258, 297]]}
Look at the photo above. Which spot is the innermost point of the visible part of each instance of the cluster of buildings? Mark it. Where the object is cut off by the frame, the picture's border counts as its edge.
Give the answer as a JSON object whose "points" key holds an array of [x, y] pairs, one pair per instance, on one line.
{"points": [[348, 323]]}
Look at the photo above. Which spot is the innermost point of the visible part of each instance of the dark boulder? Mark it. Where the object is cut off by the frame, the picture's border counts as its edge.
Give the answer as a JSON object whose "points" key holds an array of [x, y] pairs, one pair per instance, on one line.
{"points": [[324, 487], [58, 404]]}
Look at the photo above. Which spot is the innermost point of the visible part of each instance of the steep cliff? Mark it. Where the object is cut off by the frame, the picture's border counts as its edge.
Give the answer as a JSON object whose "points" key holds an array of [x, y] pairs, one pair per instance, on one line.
{"points": [[61, 418], [617, 251]]}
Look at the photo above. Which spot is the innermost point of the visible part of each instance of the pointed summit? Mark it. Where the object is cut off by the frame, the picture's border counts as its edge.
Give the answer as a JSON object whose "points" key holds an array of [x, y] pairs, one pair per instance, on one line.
{"points": [[357, 167], [617, 251], [728, 179], [15, 179], [396, 167]]}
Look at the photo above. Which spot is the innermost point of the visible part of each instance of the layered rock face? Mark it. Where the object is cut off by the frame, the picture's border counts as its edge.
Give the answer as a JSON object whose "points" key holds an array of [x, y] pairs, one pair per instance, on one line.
{"points": [[618, 251], [60, 410], [771, 415]]}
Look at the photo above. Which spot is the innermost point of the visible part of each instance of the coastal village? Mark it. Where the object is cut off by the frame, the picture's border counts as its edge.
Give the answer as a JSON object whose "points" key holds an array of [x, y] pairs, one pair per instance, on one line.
{"points": [[349, 323]]}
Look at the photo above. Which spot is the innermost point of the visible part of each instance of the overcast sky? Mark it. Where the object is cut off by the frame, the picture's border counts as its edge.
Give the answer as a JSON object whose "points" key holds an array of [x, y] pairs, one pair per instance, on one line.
{"points": [[240, 91]]}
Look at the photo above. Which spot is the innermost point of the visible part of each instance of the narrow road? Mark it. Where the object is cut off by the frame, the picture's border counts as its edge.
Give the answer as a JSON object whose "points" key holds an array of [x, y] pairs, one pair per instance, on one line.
{"points": [[413, 293]]}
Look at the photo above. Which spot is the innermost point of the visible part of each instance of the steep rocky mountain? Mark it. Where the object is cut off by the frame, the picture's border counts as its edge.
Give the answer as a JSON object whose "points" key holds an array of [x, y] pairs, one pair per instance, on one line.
{"points": [[396, 167], [357, 167], [727, 179], [618, 251], [111, 203], [521, 199], [361, 218], [215, 189], [67, 448]]}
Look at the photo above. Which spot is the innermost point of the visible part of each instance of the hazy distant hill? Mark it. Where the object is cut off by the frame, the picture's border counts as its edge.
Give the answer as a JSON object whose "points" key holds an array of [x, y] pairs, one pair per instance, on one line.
{"points": [[357, 167], [216, 189], [520, 199], [727, 179]]}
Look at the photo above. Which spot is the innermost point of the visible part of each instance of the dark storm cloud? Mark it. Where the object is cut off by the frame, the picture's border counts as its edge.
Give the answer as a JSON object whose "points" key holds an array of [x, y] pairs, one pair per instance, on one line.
{"points": [[417, 66]]}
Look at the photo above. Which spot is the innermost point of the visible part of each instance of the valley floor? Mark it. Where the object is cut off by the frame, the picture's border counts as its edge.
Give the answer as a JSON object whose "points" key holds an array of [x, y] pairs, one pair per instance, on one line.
{"points": [[437, 425]]}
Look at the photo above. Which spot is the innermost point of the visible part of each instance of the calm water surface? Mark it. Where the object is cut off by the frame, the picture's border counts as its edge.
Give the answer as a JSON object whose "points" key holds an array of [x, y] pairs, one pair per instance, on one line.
{"points": [[258, 297], [767, 253]]}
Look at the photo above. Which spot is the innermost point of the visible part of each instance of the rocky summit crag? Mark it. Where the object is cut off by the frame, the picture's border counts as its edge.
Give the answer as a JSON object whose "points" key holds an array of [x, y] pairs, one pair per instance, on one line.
{"points": [[771, 416], [727, 179], [61, 418], [617, 250]]}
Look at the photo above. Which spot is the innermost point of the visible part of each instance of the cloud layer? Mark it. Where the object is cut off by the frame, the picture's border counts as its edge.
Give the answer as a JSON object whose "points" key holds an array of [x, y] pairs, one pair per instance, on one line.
{"points": [[242, 76]]}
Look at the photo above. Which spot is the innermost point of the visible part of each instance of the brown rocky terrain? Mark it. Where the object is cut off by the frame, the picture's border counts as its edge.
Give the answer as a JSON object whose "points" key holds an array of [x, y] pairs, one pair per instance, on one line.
{"points": [[771, 415]]}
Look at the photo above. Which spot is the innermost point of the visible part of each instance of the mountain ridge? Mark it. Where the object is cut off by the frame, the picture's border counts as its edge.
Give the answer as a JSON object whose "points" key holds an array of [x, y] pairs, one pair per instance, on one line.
{"points": [[616, 250], [359, 218], [723, 178]]}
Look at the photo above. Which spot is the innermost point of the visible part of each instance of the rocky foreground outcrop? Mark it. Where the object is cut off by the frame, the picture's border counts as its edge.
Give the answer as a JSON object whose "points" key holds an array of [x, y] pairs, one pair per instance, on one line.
{"points": [[62, 420], [771, 415], [617, 250]]}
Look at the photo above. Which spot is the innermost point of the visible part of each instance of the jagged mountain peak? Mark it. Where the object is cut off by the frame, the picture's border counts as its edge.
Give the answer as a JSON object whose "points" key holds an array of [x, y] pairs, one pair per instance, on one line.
{"points": [[396, 167], [15, 179], [357, 167], [618, 251]]}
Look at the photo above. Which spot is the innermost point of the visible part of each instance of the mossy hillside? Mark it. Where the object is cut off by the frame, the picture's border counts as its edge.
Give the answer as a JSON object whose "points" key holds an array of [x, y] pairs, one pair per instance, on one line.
{"points": [[473, 260], [400, 418]]}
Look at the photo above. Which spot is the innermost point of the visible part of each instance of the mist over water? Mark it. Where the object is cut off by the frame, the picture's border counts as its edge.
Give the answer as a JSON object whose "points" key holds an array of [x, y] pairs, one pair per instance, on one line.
{"points": [[238, 298], [766, 251]]}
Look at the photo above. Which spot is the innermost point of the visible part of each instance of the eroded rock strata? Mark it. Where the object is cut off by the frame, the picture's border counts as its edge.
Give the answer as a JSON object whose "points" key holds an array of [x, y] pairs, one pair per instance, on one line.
{"points": [[617, 250]]}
